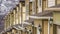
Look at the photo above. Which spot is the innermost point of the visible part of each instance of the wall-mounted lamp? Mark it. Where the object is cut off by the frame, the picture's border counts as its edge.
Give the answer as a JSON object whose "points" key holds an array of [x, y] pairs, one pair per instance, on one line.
{"points": [[30, 32], [39, 27], [32, 23], [25, 29], [50, 21]]}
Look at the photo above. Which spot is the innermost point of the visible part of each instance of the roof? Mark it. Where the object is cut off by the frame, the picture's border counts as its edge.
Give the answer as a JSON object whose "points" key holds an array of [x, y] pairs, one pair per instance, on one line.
{"points": [[41, 14], [54, 8], [44, 14], [57, 6], [48, 12]]}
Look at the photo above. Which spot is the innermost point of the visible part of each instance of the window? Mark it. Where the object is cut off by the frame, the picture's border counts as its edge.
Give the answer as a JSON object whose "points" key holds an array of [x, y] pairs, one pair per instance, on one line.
{"points": [[51, 3], [40, 2], [39, 6]]}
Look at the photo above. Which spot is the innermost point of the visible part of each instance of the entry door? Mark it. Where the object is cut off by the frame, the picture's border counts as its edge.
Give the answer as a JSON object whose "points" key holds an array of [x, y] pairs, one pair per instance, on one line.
{"points": [[58, 29], [35, 30], [45, 27], [54, 29]]}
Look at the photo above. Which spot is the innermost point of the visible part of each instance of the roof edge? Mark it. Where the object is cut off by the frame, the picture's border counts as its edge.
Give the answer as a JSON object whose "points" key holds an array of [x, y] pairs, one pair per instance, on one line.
{"points": [[36, 17]]}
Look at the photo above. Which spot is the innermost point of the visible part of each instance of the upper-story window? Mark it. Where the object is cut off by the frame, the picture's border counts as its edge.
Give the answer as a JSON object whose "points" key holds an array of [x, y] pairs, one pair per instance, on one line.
{"points": [[51, 3], [40, 2], [31, 0]]}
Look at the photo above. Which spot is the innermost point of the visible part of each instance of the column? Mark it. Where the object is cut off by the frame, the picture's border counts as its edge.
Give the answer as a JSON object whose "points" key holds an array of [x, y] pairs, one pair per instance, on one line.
{"points": [[20, 12], [17, 14], [14, 17]]}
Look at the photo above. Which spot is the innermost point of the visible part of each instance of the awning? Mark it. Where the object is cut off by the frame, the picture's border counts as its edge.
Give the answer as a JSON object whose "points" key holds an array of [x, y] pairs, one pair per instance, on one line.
{"points": [[43, 15]]}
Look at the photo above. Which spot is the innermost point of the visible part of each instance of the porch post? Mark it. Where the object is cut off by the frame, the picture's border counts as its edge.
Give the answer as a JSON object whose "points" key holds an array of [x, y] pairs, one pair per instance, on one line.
{"points": [[49, 25], [14, 17], [20, 13]]}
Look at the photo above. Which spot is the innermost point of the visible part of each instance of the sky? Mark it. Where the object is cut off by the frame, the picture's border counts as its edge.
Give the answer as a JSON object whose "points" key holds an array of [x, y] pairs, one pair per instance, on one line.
{"points": [[5, 7]]}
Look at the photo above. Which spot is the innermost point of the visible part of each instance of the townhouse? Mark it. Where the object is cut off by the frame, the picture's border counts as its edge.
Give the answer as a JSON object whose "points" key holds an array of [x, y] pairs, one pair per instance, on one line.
{"points": [[35, 16]]}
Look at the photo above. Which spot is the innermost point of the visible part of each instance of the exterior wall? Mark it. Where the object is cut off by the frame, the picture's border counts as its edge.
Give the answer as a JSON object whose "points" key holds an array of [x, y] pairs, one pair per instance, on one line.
{"points": [[56, 18], [58, 2], [37, 22]]}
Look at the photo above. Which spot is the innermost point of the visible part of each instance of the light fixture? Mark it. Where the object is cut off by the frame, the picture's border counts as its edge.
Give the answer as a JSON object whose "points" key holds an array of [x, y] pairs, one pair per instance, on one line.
{"points": [[50, 22], [39, 27], [25, 29], [32, 23], [30, 32]]}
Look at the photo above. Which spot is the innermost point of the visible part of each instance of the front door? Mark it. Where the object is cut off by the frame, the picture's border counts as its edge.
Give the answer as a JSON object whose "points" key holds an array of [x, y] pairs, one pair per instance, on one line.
{"points": [[58, 29]]}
